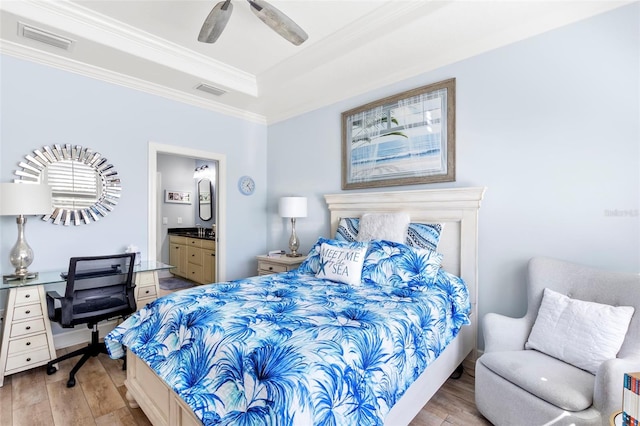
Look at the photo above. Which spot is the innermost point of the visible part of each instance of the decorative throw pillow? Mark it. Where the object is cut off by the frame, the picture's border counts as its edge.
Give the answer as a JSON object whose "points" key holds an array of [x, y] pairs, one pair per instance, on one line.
{"points": [[580, 333], [424, 235], [397, 264], [421, 235], [341, 264], [383, 226], [347, 229], [311, 264]]}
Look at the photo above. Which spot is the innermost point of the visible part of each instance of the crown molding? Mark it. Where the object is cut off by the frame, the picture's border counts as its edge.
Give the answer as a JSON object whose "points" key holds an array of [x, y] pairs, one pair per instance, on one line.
{"points": [[361, 32], [85, 23], [67, 64]]}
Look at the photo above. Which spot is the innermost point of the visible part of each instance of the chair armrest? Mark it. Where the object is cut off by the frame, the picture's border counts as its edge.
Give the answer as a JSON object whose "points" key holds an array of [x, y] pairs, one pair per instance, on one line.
{"points": [[52, 296], [607, 393], [502, 333]]}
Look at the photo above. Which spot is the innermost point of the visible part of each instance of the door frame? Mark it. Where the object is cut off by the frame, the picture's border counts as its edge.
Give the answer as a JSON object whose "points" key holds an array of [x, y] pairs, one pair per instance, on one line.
{"points": [[221, 219]]}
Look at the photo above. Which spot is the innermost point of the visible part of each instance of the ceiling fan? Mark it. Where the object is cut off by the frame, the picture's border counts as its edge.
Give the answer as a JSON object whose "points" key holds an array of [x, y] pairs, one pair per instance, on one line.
{"points": [[274, 18]]}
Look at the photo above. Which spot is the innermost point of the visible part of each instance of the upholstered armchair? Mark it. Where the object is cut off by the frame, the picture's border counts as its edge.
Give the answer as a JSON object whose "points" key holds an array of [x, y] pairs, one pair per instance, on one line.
{"points": [[519, 385]]}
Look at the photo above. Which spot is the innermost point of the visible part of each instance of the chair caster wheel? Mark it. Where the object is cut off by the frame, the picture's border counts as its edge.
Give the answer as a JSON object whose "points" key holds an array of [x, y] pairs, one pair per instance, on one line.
{"points": [[71, 383], [51, 369]]}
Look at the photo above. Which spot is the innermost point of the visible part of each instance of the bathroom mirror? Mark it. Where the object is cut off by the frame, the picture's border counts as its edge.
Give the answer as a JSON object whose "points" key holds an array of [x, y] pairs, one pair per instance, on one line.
{"points": [[204, 197], [85, 187]]}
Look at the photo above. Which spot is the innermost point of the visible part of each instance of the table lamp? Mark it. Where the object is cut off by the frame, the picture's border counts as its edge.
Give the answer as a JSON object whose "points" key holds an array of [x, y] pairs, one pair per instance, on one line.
{"points": [[23, 199], [293, 207]]}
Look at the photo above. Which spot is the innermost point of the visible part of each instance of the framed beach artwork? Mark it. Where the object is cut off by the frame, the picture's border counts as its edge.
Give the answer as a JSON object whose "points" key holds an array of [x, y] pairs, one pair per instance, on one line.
{"points": [[405, 139]]}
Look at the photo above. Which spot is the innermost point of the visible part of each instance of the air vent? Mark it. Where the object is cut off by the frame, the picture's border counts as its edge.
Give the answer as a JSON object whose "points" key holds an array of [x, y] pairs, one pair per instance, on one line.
{"points": [[210, 89], [45, 37]]}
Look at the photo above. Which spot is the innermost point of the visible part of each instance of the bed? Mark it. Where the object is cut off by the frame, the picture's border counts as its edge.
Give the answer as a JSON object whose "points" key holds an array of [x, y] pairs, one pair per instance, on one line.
{"points": [[456, 209]]}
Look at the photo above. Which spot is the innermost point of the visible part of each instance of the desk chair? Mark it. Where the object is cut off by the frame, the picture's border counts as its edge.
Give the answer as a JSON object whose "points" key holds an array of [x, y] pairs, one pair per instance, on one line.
{"points": [[98, 288]]}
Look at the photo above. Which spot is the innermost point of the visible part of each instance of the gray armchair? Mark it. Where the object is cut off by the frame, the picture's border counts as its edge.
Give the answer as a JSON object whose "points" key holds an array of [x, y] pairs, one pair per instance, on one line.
{"points": [[518, 386]]}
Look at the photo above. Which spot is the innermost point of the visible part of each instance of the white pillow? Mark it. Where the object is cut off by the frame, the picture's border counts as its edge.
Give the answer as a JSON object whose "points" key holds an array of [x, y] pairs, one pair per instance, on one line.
{"points": [[384, 226], [577, 332], [341, 264]]}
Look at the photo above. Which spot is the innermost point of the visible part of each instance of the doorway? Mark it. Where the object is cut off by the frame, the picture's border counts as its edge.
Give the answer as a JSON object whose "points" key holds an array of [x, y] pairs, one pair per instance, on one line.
{"points": [[154, 196]]}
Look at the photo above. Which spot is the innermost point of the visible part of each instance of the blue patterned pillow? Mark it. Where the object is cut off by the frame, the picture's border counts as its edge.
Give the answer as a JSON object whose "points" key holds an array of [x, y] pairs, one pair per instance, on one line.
{"points": [[424, 235], [421, 235], [400, 265], [348, 229], [311, 264]]}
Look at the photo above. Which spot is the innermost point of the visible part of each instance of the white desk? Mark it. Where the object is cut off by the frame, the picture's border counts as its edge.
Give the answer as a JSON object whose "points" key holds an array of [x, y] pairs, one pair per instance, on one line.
{"points": [[27, 341]]}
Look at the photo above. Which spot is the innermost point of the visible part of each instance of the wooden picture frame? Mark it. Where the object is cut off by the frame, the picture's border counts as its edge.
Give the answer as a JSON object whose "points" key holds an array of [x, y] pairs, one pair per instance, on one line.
{"points": [[405, 139], [178, 197]]}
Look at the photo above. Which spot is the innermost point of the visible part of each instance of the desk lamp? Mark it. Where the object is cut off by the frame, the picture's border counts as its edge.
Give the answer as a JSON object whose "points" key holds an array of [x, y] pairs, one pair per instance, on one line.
{"points": [[293, 207], [23, 199]]}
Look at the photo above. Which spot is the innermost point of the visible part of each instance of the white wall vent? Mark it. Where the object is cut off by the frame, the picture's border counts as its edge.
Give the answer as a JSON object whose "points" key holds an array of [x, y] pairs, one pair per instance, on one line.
{"points": [[210, 89], [55, 40]]}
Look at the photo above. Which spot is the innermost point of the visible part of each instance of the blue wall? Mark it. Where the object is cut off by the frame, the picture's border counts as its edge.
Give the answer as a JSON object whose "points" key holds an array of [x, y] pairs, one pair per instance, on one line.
{"points": [[550, 125], [43, 106]]}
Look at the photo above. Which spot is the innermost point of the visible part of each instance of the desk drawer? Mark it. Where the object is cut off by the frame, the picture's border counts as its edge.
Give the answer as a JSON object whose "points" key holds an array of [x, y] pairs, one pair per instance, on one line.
{"points": [[27, 295], [142, 302], [27, 311], [24, 360], [145, 278], [147, 291], [27, 327], [30, 343]]}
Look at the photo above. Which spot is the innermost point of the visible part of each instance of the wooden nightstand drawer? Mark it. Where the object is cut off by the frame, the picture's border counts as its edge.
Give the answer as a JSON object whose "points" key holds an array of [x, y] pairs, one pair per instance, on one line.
{"points": [[27, 327], [27, 359], [273, 265], [27, 295], [271, 268], [27, 311], [27, 344]]}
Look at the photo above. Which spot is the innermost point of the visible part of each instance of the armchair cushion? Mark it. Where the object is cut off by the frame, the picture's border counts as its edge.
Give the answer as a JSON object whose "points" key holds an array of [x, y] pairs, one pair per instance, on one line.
{"points": [[550, 379], [584, 334]]}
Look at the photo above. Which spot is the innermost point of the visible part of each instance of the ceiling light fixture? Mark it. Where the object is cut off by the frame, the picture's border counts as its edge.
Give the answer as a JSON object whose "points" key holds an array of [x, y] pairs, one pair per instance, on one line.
{"points": [[276, 20]]}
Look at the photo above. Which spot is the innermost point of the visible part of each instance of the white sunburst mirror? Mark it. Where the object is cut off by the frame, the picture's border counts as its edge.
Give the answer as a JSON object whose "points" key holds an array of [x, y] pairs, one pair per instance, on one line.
{"points": [[85, 187]]}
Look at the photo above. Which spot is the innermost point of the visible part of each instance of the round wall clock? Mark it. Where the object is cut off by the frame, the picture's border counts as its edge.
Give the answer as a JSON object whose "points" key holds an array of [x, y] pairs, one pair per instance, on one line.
{"points": [[246, 185]]}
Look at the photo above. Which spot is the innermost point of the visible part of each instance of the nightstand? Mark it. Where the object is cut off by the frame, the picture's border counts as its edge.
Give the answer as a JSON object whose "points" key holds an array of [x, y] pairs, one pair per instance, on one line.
{"points": [[272, 265]]}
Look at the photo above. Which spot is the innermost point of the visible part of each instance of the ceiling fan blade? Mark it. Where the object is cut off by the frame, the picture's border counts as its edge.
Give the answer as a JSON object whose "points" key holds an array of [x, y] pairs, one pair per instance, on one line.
{"points": [[278, 21], [215, 22]]}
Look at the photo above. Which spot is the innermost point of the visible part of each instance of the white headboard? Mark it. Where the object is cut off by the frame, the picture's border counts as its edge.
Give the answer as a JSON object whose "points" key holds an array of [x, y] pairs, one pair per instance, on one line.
{"points": [[456, 208]]}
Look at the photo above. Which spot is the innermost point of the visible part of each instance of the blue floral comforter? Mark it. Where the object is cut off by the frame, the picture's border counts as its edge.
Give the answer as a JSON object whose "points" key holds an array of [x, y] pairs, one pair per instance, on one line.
{"points": [[292, 349]]}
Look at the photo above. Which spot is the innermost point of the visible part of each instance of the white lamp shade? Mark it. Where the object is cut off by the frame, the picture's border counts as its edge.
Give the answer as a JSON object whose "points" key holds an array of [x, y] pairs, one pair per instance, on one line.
{"points": [[293, 207], [24, 199]]}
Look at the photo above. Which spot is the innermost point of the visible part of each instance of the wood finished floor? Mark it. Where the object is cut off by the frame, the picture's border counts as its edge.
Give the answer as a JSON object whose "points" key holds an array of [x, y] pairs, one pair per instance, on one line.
{"points": [[33, 398]]}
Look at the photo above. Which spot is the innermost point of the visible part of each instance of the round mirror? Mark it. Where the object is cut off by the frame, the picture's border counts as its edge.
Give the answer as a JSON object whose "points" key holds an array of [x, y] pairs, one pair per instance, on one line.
{"points": [[204, 197], [84, 186]]}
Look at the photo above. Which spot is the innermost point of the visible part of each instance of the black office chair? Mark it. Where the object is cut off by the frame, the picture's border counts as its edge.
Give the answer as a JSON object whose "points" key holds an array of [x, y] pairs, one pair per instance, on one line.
{"points": [[98, 288]]}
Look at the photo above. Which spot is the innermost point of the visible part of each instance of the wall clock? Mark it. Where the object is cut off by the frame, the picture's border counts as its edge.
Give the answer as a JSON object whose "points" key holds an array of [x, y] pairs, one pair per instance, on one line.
{"points": [[246, 185]]}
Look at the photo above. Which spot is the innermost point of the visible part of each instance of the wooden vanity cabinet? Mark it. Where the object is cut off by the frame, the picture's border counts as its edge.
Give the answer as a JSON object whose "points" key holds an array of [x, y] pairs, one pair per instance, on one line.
{"points": [[178, 255], [201, 260]]}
